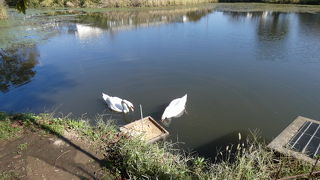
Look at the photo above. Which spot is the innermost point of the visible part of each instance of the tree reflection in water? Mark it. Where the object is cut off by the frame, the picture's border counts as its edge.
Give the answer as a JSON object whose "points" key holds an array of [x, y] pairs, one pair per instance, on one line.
{"points": [[124, 20], [17, 67], [270, 25], [275, 26]]}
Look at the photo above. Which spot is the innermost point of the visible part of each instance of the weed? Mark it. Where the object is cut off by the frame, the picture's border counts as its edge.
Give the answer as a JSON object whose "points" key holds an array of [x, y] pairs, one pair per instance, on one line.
{"points": [[22, 147], [3, 116], [7, 130], [133, 158], [7, 175]]}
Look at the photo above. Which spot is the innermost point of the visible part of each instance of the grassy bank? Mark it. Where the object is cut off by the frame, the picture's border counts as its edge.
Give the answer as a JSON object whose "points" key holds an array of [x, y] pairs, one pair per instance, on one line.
{"points": [[276, 1], [133, 158], [293, 1], [109, 3], [141, 3], [3, 11]]}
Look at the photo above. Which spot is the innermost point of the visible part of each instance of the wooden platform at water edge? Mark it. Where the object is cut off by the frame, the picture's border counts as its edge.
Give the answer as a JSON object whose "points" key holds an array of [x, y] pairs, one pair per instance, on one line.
{"points": [[301, 139], [146, 128]]}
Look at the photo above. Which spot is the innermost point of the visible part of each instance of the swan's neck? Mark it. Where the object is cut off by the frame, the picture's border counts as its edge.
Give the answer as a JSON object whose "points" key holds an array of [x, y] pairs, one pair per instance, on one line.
{"points": [[125, 107], [105, 97]]}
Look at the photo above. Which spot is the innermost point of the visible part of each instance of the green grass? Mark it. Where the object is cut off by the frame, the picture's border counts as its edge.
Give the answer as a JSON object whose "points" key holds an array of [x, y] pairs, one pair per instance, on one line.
{"points": [[136, 159], [108, 3], [141, 3], [7, 130], [50, 124], [293, 1], [23, 146], [4, 176], [57, 125], [253, 160], [133, 158]]}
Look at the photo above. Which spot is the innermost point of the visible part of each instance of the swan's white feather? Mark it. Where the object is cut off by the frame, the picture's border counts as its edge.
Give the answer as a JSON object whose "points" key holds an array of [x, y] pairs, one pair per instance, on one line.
{"points": [[115, 103], [175, 108]]}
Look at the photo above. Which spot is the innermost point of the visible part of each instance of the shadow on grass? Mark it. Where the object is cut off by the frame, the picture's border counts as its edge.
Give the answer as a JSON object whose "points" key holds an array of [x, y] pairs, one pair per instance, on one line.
{"points": [[70, 167]]}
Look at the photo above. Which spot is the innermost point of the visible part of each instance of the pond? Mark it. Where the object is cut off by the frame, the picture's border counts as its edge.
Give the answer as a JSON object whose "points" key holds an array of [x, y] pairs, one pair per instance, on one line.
{"points": [[241, 70]]}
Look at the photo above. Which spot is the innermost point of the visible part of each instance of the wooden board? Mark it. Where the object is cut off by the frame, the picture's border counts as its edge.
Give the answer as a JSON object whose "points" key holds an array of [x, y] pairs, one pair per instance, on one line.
{"points": [[147, 128]]}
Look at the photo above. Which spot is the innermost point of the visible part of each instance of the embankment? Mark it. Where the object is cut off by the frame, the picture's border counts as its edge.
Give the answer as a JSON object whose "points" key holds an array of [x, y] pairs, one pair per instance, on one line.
{"points": [[123, 157]]}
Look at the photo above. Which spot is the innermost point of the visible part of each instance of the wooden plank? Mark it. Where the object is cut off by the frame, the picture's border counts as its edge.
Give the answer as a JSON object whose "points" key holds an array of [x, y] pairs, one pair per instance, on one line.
{"points": [[146, 128]]}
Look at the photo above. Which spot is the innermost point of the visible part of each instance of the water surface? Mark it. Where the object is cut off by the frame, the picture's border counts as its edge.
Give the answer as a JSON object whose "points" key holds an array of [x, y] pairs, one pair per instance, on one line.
{"points": [[241, 70]]}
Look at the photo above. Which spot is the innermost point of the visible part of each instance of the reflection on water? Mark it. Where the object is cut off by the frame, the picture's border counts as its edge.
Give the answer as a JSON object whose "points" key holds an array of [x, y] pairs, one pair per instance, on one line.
{"points": [[256, 70], [126, 20], [87, 32], [16, 67], [305, 20], [21, 30], [271, 25], [168, 121]]}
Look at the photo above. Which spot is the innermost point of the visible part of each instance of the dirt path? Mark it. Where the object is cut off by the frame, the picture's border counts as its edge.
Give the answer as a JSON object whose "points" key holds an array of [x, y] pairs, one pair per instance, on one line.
{"points": [[44, 156]]}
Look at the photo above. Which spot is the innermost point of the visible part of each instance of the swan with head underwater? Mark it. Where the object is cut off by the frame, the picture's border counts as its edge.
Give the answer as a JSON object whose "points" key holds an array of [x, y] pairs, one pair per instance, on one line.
{"points": [[118, 104], [175, 109]]}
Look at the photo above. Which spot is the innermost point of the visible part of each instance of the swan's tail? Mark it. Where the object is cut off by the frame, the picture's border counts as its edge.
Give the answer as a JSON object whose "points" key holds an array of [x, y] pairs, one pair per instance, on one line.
{"points": [[163, 117], [104, 96], [184, 98]]}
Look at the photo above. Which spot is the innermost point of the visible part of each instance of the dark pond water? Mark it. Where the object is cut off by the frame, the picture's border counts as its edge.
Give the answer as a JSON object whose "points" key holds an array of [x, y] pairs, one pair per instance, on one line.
{"points": [[241, 70]]}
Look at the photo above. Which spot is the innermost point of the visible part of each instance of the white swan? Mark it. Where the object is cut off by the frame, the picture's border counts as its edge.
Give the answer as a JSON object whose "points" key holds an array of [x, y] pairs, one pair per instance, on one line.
{"points": [[118, 104], [175, 108]]}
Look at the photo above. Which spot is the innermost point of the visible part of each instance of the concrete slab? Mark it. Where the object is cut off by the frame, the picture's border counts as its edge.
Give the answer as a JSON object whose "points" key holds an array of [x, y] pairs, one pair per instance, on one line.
{"points": [[280, 143]]}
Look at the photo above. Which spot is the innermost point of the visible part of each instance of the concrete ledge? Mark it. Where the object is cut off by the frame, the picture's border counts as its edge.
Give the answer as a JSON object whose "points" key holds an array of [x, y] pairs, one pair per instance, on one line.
{"points": [[280, 143]]}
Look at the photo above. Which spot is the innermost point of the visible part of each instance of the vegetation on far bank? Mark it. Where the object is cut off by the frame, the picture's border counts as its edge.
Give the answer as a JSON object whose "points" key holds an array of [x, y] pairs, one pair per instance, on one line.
{"points": [[146, 3], [44, 22], [23, 4], [133, 158], [3, 11]]}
